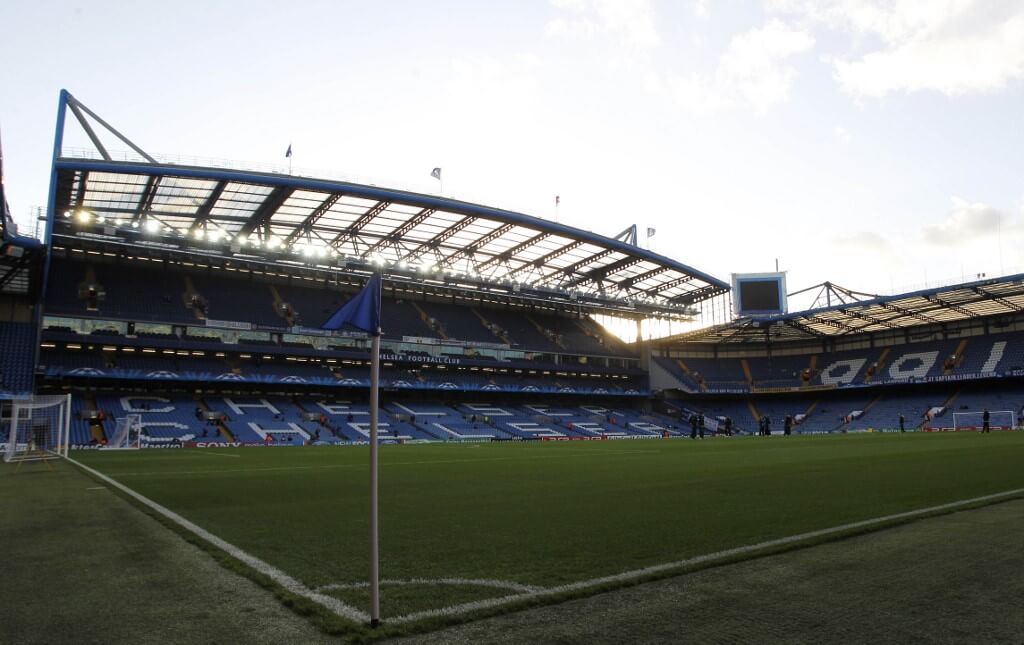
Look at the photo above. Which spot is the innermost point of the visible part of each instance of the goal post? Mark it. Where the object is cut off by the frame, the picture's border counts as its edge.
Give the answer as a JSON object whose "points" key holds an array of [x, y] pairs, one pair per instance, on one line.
{"points": [[997, 419], [127, 434], [38, 428]]}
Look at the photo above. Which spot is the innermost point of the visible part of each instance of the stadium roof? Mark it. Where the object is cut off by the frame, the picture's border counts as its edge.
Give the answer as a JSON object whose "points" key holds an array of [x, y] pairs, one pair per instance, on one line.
{"points": [[858, 313], [282, 217]]}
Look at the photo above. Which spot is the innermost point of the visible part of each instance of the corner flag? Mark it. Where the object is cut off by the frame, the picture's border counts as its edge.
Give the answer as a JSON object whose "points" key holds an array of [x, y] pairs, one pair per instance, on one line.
{"points": [[288, 153], [436, 173], [361, 312]]}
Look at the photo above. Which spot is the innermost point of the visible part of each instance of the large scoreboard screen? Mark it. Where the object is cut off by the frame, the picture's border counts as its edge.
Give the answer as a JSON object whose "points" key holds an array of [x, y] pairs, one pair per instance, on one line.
{"points": [[759, 294]]}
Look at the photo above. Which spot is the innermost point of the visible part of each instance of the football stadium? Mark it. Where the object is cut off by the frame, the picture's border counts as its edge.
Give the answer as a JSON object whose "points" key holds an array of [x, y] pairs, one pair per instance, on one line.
{"points": [[239, 396]]}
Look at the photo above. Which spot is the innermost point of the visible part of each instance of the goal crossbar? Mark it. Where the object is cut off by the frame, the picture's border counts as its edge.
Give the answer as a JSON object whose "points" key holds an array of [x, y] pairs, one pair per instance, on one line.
{"points": [[1000, 419], [38, 428]]}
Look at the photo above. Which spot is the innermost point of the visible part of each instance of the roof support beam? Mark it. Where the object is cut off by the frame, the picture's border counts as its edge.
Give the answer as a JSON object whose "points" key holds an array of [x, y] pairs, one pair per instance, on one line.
{"points": [[804, 328], [991, 296], [313, 218], [870, 319], [836, 324], [479, 244], [266, 210], [906, 312], [506, 255], [629, 282], [395, 237], [671, 284], [541, 261], [146, 199], [435, 242], [600, 273], [353, 229]]}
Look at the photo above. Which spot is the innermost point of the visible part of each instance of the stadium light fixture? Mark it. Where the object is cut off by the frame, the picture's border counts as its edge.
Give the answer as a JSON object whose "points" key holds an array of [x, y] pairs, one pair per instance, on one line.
{"points": [[213, 235], [135, 225], [67, 214], [152, 225], [84, 217], [100, 219], [199, 234]]}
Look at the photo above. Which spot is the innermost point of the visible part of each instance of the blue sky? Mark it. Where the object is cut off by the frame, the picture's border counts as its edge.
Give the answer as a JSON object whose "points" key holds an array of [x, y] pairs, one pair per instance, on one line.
{"points": [[874, 144]]}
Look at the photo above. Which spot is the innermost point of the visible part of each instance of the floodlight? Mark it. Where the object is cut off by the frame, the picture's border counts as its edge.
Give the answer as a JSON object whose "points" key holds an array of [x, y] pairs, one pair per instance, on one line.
{"points": [[152, 225], [135, 224], [100, 219], [199, 234], [84, 217], [67, 213], [213, 235]]}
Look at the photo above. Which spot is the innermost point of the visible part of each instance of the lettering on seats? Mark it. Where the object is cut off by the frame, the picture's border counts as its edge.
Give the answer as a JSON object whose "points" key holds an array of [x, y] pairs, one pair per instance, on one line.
{"points": [[291, 428], [237, 407], [341, 407], [128, 404], [899, 370], [842, 372], [487, 410]]}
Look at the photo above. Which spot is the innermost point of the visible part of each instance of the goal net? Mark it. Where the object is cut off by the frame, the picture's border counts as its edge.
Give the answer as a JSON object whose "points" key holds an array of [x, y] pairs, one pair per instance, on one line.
{"points": [[127, 433], [997, 419], [37, 428]]}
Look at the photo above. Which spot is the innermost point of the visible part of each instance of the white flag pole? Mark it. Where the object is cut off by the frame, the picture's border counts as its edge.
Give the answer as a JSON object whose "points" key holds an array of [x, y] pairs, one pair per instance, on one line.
{"points": [[374, 536]]}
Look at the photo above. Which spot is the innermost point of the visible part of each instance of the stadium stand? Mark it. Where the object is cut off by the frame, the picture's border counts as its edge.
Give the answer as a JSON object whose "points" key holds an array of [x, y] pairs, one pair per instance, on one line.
{"points": [[17, 347], [488, 328]]}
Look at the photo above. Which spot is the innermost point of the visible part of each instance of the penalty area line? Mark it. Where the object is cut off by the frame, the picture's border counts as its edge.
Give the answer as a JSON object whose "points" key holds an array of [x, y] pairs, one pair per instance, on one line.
{"points": [[708, 559], [280, 577]]}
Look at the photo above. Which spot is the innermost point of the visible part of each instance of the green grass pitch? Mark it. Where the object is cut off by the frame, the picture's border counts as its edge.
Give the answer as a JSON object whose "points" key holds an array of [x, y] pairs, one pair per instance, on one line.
{"points": [[538, 515]]}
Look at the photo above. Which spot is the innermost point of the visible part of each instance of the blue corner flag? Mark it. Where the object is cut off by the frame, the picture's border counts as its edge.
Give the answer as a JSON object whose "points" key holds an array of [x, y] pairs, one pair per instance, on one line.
{"points": [[361, 312]]}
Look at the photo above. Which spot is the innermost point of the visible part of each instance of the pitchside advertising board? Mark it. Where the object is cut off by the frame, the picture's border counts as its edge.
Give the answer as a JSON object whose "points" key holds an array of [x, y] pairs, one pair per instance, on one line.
{"points": [[759, 294]]}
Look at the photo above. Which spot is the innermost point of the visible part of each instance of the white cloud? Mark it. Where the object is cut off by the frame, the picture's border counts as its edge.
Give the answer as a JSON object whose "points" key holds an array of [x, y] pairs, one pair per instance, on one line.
{"points": [[865, 241], [701, 8], [953, 47], [629, 22], [753, 71], [842, 134], [965, 222]]}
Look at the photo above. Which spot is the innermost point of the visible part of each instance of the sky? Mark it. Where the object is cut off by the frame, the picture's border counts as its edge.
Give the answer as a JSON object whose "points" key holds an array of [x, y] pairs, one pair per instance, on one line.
{"points": [[877, 145]]}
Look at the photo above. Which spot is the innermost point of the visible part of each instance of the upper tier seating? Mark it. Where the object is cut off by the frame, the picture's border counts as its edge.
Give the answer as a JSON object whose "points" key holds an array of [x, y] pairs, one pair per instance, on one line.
{"points": [[18, 349], [149, 292]]}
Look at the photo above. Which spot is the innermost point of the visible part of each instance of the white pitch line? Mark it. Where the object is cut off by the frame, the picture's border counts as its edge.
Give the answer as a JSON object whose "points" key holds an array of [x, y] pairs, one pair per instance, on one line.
{"points": [[211, 454], [476, 582], [275, 574], [710, 558]]}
